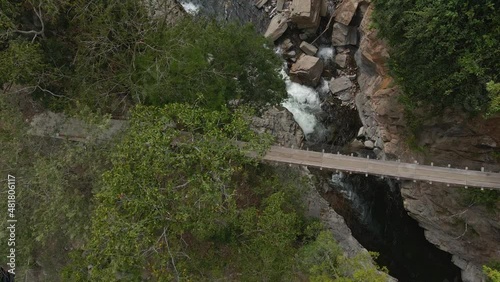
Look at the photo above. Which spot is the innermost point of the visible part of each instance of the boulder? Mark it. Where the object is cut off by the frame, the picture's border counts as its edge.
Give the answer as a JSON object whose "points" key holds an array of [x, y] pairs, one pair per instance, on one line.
{"points": [[279, 5], [277, 27], [341, 60], [260, 3], [305, 13], [287, 44], [340, 84], [308, 48], [369, 144], [307, 70], [361, 132], [344, 35], [290, 54], [345, 11]]}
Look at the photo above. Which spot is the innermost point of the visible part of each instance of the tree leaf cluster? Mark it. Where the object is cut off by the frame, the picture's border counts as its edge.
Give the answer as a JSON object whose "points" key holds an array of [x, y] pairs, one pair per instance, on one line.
{"points": [[443, 53], [109, 55]]}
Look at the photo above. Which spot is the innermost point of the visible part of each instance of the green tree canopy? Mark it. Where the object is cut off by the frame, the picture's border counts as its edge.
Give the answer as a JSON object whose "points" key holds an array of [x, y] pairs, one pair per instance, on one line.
{"points": [[443, 53], [208, 64], [110, 54]]}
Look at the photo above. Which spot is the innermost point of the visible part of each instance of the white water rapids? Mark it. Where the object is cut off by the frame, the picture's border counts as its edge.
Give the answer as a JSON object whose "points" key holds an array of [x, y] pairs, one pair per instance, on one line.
{"points": [[190, 7]]}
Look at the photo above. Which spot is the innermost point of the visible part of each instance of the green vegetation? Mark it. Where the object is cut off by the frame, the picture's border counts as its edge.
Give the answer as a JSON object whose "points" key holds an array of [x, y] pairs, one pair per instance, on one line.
{"points": [[173, 197], [444, 53], [492, 271], [487, 198], [323, 261], [109, 55]]}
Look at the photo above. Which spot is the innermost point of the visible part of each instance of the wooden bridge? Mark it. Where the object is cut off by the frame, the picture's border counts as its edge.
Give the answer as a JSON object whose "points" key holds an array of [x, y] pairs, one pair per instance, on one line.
{"points": [[394, 169], [54, 125]]}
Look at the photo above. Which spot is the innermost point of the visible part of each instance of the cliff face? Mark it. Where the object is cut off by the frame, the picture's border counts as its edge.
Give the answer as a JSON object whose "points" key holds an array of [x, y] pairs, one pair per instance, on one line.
{"points": [[467, 230]]}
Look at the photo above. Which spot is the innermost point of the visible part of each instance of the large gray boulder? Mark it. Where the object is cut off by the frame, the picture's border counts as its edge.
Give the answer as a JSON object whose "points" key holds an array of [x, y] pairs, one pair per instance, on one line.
{"points": [[345, 11], [305, 13], [344, 35], [340, 84], [307, 70], [308, 48], [277, 27], [260, 3], [341, 60]]}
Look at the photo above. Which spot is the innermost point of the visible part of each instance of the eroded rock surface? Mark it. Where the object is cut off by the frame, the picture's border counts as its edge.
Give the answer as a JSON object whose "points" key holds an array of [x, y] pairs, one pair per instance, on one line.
{"points": [[280, 124]]}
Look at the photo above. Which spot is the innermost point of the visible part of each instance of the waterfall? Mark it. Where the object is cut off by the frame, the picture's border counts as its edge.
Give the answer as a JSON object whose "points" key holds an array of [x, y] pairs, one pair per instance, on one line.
{"points": [[326, 53], [305, 105], [190, 7]]}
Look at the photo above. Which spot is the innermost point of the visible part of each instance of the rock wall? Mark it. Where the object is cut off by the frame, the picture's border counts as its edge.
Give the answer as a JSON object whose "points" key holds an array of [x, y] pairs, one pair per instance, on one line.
{"points": [[469, 232]]}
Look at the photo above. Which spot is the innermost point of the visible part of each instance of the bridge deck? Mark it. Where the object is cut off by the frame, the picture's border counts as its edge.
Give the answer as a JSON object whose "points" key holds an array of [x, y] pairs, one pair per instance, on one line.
{"points": [[393, 169]]}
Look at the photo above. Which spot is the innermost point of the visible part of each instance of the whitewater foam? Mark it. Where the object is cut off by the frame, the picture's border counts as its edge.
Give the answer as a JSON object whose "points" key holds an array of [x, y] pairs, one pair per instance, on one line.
{"points": [[303, 102], [326, 53], [190, 7]]}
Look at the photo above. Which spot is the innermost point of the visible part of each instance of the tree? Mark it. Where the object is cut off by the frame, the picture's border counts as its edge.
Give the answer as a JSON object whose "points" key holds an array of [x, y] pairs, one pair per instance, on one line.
{"points": [[442, 52], [165, 188], [493, 274], [323, 261], [494, 94], [55, 181], [209, 64], [109, 55]]}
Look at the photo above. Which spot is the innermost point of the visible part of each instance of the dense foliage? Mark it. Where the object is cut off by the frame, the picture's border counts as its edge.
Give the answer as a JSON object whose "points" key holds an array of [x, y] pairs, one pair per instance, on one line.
{"points": [[191, 206], [109, 54], [492, 274], [174, 197], [444, 53], [54, 183]]}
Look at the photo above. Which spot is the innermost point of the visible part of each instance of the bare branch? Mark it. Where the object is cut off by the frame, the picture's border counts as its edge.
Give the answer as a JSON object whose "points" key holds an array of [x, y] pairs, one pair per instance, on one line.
{"points": [[38, 13]]}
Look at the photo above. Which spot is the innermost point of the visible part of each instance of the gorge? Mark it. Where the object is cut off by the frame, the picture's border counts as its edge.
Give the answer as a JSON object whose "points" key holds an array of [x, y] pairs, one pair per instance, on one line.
{"points": [[363, 116]]}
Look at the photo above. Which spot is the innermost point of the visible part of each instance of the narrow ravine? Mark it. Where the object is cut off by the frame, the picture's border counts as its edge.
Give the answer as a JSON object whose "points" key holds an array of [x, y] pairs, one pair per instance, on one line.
{"points": [[373, 209]]}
